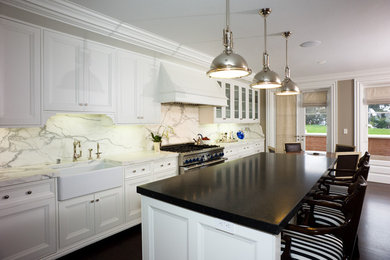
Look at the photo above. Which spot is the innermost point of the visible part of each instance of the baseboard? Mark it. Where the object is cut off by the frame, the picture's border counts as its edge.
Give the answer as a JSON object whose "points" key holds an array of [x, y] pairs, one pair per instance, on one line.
{"points": [[379, 171]]}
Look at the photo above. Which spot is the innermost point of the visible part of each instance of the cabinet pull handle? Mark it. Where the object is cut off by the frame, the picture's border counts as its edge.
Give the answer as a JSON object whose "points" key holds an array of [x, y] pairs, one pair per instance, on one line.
{"points": [[80, 104], [97, 200], [6, 197], [140, 117], [134, 171], [92, 201], [85, 104], [29, 192]]}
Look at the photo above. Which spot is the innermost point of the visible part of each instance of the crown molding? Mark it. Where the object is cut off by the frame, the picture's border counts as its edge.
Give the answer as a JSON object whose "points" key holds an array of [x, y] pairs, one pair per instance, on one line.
{"points": [[76, 15], [362, 75]]}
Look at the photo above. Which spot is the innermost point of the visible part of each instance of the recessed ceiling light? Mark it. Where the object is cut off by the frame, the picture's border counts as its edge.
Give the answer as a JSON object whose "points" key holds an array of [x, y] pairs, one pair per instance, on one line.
{"points": [[310, 44], [322, 62]]}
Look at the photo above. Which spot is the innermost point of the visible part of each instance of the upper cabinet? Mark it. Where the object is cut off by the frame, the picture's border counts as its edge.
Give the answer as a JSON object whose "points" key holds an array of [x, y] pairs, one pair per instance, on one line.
{"points": [[78, 75], [243, 105], [137, 89], [20, 69]]}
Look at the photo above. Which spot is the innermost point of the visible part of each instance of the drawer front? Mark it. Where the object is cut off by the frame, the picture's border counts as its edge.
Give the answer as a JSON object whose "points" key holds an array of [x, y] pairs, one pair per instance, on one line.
{"points": [[165, 164], [133, 171], [28, 191]]}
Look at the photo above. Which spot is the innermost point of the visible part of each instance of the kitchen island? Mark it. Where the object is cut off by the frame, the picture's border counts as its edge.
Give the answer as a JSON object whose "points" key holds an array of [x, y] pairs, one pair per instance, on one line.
{"points": [[234, 210]]}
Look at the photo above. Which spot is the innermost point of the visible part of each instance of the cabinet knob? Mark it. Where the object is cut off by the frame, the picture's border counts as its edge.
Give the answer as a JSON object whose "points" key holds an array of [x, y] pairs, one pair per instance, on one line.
{"points": [[29, 192], [143, 169], [6, 197], [80, 104], [162, 165], [169, 163], [97, 200], [92, 201], [134, 171], [85, 104]]}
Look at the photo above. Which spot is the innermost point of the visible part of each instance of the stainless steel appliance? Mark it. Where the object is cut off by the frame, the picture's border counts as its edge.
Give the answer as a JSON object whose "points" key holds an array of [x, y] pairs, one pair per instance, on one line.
{"points": [[193, 157]]}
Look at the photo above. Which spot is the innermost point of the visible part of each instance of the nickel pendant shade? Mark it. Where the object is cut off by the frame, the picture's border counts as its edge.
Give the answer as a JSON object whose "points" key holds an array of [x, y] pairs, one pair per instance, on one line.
{"points": [[228, 65], [266, 79], [288, 86]]}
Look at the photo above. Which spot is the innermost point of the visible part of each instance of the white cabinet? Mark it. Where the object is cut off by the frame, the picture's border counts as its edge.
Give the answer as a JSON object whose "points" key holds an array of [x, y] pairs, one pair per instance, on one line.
{"points": [[243, 105], [78, 75], [142, 173], [27, 221], [20, 69], [137, 86], [237, 150], [82, 217]]}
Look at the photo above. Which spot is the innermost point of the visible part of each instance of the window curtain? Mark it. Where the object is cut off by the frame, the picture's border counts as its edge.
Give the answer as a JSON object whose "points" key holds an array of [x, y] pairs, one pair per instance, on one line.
{"points": [[379, 95], [315, 99], [286, 119]]}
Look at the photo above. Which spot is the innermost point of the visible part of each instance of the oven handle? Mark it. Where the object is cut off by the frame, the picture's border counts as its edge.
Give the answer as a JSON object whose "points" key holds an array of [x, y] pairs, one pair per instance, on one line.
{"points": [[204, 164]]}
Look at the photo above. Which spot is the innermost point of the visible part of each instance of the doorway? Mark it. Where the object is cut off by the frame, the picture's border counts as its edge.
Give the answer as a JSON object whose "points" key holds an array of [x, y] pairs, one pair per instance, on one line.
{"points": [[314, 120]]}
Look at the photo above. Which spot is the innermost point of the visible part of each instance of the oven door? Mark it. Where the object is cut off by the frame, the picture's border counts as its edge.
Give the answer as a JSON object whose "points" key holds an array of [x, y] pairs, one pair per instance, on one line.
{"points": [[196, 167]]}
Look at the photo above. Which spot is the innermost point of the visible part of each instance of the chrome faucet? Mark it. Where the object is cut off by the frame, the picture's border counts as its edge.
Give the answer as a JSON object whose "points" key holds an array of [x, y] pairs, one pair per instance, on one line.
{"points": [[75, 155]]}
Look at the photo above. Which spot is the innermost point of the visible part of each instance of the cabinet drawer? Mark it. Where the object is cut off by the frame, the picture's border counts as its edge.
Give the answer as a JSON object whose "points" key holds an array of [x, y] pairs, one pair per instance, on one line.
{"points": [[136, 170], [165, 164], [28, 191]]}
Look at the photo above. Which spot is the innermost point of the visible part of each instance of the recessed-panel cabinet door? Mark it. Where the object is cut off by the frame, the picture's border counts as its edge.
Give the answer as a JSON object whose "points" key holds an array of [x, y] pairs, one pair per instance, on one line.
{"points": [[28, 231], [62, 72], [99, 84], [148, 107], [133, 199], [108, 209], [19, 74], [76, 219], [126, 100]]}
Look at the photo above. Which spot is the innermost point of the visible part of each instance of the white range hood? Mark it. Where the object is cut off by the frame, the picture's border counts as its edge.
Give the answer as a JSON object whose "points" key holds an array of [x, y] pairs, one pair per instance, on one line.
{"points": [[181, 84]]}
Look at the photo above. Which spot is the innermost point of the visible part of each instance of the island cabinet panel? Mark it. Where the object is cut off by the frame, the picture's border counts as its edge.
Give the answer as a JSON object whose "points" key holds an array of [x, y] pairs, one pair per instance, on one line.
{"points": [[175, 233]]}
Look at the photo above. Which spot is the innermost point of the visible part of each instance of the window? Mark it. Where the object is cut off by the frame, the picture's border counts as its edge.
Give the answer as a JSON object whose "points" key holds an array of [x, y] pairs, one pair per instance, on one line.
{"points": [[379, 119], [315, 120]]}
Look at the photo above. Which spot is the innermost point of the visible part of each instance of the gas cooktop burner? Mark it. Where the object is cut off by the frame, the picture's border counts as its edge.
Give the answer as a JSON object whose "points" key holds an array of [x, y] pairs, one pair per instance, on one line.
{"points": [[186, 147]]}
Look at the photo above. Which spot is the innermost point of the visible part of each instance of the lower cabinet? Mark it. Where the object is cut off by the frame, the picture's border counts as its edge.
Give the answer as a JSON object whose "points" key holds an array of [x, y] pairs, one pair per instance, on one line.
{"points": [[133, 199], [82, 217], [27, 226], [139, 174], [239, 150]]}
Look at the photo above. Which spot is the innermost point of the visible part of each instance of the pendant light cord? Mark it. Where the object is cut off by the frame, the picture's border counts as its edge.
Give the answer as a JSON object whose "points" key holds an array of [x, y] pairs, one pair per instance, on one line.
{"points": [[227, 15], [286, 53], [265, 34]]}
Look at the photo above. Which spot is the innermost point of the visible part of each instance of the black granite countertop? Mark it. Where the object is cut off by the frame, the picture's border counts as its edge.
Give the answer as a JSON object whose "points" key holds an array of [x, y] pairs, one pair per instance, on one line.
{"points": [[262, 191]]}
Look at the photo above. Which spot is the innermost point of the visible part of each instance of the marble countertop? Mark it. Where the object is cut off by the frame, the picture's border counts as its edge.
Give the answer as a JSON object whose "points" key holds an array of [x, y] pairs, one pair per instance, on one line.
{"points": [[18, 175], [241, 142]]}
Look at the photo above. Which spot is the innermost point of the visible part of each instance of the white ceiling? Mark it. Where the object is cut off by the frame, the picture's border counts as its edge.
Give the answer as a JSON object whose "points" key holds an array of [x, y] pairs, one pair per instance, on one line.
{"points": [[355, 34]]}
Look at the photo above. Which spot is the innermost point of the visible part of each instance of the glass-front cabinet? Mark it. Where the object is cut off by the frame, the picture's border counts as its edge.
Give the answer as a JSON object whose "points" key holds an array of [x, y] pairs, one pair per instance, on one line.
{"points": [[242, 105]]}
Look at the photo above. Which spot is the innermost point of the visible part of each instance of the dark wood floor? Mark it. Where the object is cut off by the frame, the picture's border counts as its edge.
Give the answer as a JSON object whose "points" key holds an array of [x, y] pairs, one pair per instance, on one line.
{"points": [[374, 233]]}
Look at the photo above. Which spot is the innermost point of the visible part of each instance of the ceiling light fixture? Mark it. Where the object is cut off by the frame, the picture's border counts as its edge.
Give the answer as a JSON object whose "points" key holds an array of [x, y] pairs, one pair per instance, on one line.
{"points": [[228, 65], [309, 44], [266, 78], [288, 86]]}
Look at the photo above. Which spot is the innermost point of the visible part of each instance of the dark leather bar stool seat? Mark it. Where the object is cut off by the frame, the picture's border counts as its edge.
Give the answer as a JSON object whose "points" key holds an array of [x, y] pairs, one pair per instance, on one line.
{"points": [[292, 147]]}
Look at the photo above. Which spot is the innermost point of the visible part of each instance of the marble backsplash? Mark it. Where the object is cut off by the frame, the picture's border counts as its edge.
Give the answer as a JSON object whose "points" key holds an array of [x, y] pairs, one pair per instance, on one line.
{"points": [[37, 145]]}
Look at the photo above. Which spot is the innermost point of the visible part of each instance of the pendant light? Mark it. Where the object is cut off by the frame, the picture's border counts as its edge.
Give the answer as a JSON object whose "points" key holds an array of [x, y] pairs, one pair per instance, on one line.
{"points": [[228, 65], [266, 78], [288, 86]]}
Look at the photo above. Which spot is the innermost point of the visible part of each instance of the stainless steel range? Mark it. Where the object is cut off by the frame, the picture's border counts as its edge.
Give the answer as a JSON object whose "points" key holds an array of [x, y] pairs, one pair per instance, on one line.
{"points": [[193, 157]]}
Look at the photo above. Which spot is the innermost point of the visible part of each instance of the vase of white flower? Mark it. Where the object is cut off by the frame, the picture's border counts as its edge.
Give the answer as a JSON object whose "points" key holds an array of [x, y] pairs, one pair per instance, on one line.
{"points": [[157, 136]]}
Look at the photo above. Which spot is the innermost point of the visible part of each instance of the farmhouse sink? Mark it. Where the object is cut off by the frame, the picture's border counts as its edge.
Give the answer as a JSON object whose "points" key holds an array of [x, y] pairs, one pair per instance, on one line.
{"points": [[76, 180]]}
